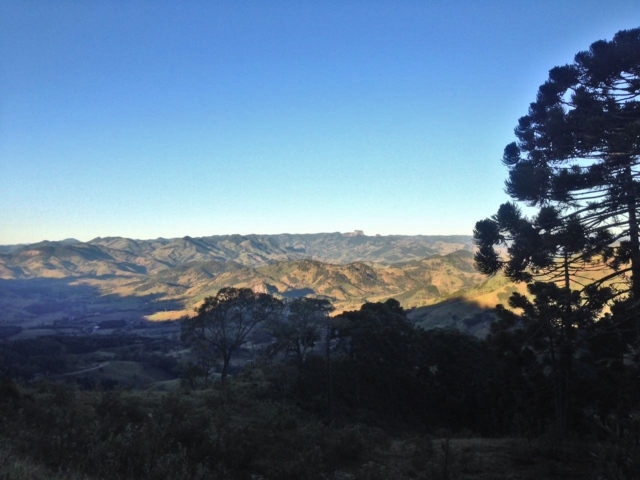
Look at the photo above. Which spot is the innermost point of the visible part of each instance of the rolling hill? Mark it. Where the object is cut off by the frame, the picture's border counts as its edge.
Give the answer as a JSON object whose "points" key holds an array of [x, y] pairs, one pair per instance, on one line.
{"points": [[415, 283]]}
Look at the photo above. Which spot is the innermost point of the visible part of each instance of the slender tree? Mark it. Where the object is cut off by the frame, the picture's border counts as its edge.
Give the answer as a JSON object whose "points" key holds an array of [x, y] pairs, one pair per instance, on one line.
{"points": [[555, 324], [557, 250]]}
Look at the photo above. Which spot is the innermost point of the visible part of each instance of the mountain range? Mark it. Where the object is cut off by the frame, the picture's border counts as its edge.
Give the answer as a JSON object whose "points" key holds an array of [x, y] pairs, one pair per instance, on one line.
{"points": [[348, 269], [123, 256]]}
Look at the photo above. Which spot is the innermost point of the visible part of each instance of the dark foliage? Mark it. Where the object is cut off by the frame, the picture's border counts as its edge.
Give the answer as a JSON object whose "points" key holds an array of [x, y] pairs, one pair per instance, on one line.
{"points": [[223, 323], [576, 159]]}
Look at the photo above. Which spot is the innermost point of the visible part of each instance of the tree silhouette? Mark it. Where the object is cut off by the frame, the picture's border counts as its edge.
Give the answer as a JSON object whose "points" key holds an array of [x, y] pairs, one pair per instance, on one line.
{"points": [[550, 246], [302, 327], [376, 349], [223, 322], [579, 146], [576, 159]]}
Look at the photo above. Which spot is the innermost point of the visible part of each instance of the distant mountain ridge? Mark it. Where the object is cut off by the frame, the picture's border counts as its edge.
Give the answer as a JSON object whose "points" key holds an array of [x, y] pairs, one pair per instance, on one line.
{"points": [[124, 256]]}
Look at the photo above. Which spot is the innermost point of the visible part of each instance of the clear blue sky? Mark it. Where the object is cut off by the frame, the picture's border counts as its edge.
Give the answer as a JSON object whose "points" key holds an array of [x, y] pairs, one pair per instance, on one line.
{"points": [[155, 118]]}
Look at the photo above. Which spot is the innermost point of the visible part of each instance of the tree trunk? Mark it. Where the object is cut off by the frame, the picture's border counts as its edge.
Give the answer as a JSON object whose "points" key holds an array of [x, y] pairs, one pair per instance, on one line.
{"points": [[226, 359], [634, 236], [565, 353], [329, 373], [299, 354]]}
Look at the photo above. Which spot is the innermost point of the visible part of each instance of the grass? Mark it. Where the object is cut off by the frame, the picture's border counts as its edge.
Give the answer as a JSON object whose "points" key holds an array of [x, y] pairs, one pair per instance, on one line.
{"points": [[498, 459], [16, 467], [165, 386]]}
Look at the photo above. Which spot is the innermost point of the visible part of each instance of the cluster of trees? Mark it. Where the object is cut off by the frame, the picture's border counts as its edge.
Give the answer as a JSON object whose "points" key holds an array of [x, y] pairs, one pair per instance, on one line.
{"points": [[52, 357], [375, 366], [372, 363], [575, 166]]}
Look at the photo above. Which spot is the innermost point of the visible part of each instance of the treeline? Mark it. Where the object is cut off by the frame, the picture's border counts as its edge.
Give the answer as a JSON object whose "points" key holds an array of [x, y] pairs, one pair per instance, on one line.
{"points": [[374, 365]]}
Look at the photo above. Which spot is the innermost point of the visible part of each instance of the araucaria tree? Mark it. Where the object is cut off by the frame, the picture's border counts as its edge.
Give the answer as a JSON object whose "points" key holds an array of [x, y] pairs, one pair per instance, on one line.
{"points": [[577, 160], [223, 322], [578, 152]]}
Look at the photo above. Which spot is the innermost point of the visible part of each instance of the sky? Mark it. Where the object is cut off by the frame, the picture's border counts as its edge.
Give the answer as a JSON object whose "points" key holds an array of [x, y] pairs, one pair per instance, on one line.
{"points": [[148, 119]]}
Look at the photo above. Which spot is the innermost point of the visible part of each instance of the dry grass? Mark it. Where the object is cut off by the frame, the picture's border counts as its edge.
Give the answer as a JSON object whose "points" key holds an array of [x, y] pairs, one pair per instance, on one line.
{"points": [[167, 315]]}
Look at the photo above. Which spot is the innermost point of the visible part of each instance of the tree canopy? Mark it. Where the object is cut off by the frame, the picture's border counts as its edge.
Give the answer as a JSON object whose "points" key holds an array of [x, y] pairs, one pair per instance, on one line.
{"points": [[576, 158], [299, 331], [223, 322]]}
